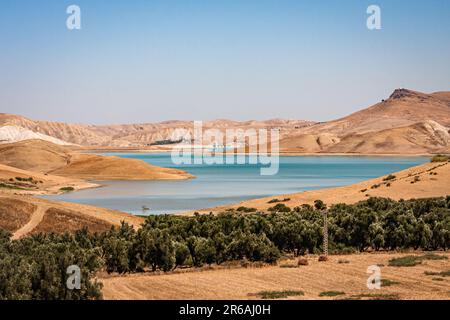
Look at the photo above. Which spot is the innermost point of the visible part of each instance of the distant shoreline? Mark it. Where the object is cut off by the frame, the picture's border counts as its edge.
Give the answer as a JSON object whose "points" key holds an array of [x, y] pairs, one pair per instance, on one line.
{"points": [[282, 154]]}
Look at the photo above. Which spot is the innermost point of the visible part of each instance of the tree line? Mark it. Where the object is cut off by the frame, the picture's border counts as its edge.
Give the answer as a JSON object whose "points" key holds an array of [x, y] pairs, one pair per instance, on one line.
{"points": [[35, 267]]}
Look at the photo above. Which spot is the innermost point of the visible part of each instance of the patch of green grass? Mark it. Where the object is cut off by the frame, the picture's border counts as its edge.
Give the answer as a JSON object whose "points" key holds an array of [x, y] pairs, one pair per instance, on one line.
{"points": [[66, 189], [342, 261], [280, 294], [288, 265], [10, 186], [331, 293], [437, 279], [388, 282], [411, 261], [433, 256], [440, 274], [377, 296]]}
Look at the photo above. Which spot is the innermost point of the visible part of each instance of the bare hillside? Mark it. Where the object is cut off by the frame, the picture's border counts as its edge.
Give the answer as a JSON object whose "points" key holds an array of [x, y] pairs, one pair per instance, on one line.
{"points": [[45, 157]]}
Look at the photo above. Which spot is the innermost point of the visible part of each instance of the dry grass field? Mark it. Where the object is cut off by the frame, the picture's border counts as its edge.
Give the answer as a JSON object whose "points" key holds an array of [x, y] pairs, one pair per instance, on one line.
{"points": [[61, 221], [14, 214], [23, 215], [346, 274]]}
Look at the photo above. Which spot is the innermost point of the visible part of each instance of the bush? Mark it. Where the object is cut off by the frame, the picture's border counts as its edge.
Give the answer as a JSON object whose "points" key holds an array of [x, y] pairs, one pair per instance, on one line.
{"points": [[279, 294], [67, 189], [388, 283], [36, 268], [389, 177], [246, 210], [331, 293], [440, 158], [281, 207]]}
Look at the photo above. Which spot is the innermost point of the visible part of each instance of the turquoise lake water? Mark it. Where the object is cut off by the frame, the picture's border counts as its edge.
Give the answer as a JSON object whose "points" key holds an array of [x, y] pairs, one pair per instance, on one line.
{"points": [[225, 184]]}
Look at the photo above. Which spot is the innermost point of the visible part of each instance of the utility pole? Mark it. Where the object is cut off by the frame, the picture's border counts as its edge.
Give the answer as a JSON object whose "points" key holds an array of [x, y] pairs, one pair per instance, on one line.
{"points": [[325, 233]]}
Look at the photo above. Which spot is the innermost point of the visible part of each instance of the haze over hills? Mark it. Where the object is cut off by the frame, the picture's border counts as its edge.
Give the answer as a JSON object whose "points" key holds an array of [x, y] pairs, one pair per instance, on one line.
{"points": [[133, 135], [407, 122]]}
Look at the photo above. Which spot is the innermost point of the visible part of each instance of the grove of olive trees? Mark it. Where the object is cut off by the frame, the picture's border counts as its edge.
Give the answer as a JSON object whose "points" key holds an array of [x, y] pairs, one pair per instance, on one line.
{"points": [[35, 267]]}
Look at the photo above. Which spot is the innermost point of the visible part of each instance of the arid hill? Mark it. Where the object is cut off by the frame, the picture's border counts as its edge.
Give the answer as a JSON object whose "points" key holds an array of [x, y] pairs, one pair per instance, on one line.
{"points": [[94, 167], [135, 135], [24, 215], [409, 122], [45, 157], [34, 155], [404, 107], [418, 138]]}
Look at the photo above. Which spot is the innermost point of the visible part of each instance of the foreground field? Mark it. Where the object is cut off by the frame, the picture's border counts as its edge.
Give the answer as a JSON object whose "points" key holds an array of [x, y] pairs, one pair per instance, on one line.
{"points": [[347, 274]]}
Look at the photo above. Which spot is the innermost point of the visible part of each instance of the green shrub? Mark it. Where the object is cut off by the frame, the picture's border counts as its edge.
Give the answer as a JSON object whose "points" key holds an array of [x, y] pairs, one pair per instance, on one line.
{"points": [[331, 293], [440, 158], [10, 186], [67, 189], [389, 177], [246, 210], [411, 261], [280, 294], [441, 274], [377, 296], [281, 207], [388, 283]]}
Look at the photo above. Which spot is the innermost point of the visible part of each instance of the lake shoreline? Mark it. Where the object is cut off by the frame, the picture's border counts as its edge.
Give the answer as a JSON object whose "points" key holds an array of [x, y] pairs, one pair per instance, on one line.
{"points": [[281, 154], [225, 185]]}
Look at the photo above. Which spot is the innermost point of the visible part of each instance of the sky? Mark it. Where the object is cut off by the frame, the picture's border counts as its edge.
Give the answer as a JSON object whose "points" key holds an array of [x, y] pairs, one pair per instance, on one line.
{"points": [[156, 60]]}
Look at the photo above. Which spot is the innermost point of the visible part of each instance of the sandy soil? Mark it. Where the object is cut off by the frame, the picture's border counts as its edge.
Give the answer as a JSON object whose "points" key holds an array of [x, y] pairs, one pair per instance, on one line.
{"points": [[35, 220], [244, 283], [39, 184], [433, 181], [14, 213]]}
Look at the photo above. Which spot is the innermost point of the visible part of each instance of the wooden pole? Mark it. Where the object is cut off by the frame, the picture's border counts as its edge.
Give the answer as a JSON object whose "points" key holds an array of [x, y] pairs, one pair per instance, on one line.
{"points": [[325, 233]]}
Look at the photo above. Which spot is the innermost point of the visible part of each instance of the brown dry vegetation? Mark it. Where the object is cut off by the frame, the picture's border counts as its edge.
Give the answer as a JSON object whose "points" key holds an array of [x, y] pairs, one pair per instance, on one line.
{"points": [[313, 279], [61, 221], [14, 213], [24, 215]]}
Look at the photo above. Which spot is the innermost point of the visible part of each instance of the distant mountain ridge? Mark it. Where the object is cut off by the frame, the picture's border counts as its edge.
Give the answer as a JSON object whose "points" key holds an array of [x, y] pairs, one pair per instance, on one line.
{"points": [[406, 122], [134, 135]]}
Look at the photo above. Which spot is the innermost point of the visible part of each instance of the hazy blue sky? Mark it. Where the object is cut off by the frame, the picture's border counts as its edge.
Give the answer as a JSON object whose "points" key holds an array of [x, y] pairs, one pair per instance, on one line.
{"points": [[144, 61]]}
